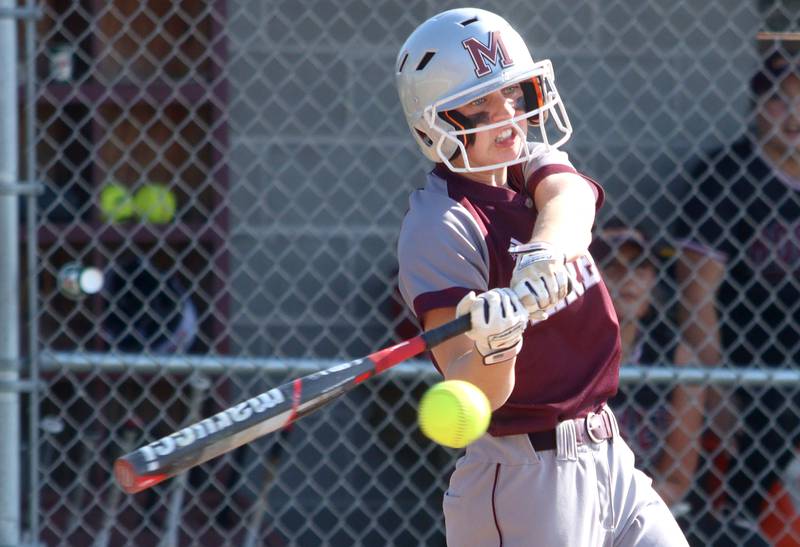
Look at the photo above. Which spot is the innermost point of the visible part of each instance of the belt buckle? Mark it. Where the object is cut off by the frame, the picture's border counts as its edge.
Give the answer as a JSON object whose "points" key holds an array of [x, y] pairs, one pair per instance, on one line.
{"points": [[586, 424]]}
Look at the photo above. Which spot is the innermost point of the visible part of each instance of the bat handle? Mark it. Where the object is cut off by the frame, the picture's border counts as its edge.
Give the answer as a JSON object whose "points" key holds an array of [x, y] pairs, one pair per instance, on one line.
{"points": [[449, 330]]}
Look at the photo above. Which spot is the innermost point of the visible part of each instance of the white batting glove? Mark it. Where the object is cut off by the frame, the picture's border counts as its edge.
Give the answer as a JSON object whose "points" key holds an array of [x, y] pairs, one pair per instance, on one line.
{"points": [[540, 277], [498, 320]]}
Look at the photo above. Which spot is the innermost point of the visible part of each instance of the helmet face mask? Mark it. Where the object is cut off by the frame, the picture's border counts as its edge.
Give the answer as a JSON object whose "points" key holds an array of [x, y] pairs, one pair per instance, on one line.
{"points": [[459, 56]]}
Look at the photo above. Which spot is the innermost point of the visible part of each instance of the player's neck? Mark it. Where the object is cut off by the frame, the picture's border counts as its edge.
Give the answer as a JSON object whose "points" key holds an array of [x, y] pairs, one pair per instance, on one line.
{"points": [[494, 177], [498, 177]]}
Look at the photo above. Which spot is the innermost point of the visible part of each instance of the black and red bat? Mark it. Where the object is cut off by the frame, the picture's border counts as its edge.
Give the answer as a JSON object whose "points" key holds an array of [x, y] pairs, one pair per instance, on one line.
{"points": [[265, 413]]}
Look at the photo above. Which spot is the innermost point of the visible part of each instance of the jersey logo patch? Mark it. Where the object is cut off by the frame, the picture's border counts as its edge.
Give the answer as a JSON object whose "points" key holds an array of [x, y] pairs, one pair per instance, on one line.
{"points": [[483, 54]]}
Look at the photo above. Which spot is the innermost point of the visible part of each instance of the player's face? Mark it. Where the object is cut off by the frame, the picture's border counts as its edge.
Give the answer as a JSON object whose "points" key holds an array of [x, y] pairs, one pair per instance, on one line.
{"points": [[630, 280], [779, 117], [502, 143]]}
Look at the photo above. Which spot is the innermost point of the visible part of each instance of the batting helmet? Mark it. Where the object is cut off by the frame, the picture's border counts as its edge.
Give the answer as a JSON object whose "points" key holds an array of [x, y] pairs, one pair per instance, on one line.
{"points": [[458, 56]]}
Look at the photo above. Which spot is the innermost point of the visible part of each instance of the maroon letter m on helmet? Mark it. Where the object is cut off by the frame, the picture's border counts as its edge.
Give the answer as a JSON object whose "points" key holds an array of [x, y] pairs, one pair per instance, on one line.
{"points": [[492, 53]]}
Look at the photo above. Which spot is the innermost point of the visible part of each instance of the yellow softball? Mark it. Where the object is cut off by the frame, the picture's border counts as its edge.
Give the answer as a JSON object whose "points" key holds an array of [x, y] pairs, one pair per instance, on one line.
{"points": [[155, 203], [116, 203], [454, 413]]}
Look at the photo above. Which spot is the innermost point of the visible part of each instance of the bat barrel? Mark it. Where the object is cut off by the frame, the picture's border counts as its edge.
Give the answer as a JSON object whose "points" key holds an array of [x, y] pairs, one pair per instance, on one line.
{"points": [[235, 426], [264, 413]]}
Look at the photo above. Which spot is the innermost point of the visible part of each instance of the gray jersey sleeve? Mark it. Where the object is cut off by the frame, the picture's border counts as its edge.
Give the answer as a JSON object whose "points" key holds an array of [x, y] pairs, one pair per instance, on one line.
{"points": [[441, 248]]}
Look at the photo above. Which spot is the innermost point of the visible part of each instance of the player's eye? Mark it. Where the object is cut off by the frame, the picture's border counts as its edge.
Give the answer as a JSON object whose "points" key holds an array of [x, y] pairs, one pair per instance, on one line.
{"points": [[478, 102], [511, 90]]}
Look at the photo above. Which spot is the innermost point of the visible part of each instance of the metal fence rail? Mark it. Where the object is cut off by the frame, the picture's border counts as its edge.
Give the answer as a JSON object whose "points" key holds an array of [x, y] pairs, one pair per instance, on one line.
{"points": [[629, 374]]}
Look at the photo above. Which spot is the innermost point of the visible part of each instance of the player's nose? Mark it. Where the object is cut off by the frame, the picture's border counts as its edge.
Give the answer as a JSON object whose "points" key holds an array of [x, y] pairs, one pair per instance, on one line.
{"points": [[503, 108]]}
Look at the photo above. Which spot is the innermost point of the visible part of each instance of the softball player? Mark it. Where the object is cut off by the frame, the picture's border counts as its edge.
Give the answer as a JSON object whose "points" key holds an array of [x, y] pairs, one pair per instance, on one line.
{"points": [[502, 208]]}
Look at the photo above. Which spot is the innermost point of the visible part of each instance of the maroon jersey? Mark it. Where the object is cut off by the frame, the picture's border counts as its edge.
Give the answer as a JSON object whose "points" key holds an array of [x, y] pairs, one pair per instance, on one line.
{"points": [[455, 238]]}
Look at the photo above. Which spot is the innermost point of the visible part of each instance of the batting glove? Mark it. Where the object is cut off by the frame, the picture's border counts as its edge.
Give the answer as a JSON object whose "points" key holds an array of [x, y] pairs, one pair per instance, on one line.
{"points": [[540, 277], [498, 320]]}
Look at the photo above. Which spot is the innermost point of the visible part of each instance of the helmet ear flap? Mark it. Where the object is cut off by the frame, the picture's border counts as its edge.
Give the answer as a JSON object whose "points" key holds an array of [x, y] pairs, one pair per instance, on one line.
{"points": [[428, 138], [448, 121], [534, 98], [424, 137]]}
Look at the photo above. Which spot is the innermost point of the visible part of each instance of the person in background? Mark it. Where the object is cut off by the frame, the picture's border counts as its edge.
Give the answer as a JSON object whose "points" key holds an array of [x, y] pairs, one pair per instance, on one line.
{"points": [[628, 264], [737, 272], [663, 423]]}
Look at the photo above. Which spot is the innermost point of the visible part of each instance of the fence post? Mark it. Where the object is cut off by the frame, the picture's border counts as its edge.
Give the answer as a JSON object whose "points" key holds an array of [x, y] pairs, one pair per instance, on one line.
{"points": [[10, 509]]}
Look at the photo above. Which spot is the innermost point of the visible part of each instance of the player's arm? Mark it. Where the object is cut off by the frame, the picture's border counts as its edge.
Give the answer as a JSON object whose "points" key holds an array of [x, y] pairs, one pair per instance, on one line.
{"points": [[486, 355], [566, 206], [458, 361], [565, 203]]}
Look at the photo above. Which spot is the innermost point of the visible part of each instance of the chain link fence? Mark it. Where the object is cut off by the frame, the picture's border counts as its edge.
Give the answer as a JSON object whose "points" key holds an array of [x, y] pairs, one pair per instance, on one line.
{"points": [[238, 172]]}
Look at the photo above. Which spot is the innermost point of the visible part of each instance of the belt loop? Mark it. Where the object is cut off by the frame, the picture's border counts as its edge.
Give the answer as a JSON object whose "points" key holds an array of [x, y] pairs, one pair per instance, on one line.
{"points": [[614, 423], [566, 441], [609, 415]]}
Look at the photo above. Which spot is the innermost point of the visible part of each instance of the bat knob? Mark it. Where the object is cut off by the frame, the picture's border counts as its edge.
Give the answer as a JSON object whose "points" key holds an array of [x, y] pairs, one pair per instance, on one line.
{"points": [[130, 481]]}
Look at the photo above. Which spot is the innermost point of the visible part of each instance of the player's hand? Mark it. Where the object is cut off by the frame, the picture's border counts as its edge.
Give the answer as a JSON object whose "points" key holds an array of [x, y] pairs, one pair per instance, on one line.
{"points": [[498, 321], [540, 277]]}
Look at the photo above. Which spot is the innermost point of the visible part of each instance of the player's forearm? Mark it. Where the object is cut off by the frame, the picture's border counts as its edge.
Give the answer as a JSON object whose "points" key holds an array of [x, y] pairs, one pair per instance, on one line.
{"points": [[459, 360], [496, 381], [566, 206]]}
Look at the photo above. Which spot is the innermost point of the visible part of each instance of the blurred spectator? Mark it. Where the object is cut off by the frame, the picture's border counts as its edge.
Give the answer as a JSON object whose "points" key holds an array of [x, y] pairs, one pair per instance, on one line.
{"points": [[662, 423], [738, 276]]}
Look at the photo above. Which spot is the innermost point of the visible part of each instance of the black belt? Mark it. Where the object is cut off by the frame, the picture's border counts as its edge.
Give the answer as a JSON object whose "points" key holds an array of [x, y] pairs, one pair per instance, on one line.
{"points": [[594, 428]]}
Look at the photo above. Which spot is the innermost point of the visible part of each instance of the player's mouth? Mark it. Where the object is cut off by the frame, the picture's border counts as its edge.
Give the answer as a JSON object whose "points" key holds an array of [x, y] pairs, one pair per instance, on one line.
{"points": [[506, 138]]}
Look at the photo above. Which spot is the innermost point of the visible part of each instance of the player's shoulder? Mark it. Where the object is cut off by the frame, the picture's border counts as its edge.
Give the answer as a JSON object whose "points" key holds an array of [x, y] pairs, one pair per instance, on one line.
{"points": [[431, 203], [542, 155], [433, 214], [433, 195]]}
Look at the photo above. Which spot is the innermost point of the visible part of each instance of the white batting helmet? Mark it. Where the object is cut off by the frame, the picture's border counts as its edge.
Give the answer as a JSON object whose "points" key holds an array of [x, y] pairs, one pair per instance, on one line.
{"points": [[458, 56]]}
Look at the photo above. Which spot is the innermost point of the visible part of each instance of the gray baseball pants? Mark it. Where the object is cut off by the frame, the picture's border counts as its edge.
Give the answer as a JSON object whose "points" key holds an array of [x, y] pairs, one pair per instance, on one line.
{"points": [[505, 494]]}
